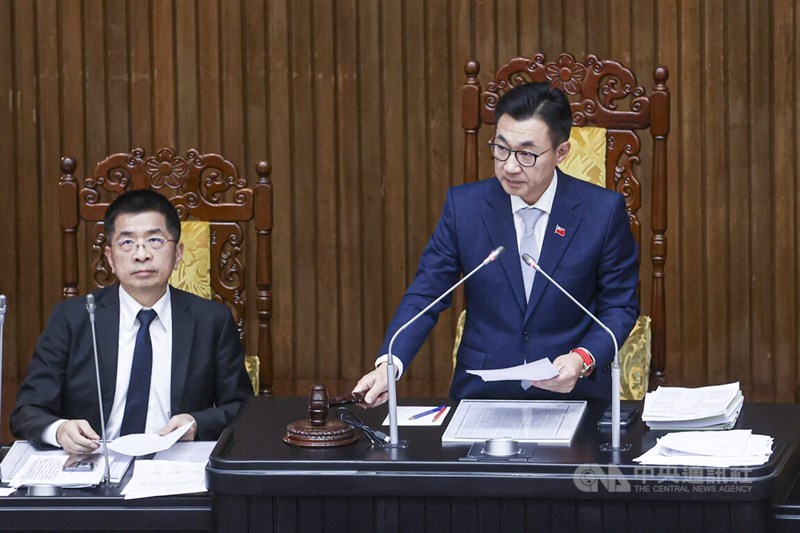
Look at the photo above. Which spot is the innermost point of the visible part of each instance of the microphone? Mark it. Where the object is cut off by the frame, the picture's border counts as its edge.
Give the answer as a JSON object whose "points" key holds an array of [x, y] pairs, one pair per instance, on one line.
{"points": [[390, 371], [2, 327], [615, 376], [90, 307]]}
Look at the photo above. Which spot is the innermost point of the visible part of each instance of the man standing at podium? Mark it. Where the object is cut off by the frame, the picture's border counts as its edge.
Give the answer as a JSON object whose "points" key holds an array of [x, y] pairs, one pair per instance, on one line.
{"points": [[578, 232], [167, 357]]}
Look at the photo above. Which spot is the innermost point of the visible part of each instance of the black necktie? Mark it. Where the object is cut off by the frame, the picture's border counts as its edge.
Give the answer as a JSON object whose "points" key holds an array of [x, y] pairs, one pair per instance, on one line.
{"points": [[139, 386]]}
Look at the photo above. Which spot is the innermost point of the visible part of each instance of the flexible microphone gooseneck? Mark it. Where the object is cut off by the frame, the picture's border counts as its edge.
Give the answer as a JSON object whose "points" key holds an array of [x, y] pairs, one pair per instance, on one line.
{"points": [[390, 371], [615, 376], [90, 307]]}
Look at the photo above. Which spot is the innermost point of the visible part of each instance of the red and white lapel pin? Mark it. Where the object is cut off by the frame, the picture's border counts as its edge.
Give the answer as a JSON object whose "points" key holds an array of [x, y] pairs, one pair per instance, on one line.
{"points": [[561, 232]]}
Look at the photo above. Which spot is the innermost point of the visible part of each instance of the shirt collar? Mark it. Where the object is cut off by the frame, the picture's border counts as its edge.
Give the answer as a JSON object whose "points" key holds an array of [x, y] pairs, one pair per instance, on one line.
{"points": [[129, 308], [545, 201]]}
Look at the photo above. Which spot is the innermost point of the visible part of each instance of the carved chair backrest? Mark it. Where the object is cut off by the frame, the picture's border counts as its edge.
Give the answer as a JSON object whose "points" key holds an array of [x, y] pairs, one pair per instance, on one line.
{"points": [[202, 187], [605, 94]]}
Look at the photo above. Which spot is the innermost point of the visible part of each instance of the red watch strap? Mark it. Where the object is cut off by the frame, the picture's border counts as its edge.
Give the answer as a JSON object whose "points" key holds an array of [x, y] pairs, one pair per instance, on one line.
{"points": [[585, 355]]}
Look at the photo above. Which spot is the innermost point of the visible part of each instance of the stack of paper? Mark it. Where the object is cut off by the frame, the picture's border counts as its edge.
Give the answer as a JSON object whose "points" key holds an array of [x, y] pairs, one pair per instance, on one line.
{"points": [[722, 449], [713, 407]]}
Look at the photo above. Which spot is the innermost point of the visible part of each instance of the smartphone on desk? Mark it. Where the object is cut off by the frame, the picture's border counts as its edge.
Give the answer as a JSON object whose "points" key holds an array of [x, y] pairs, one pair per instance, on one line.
{"points": [[81, 462], [628, 413]]}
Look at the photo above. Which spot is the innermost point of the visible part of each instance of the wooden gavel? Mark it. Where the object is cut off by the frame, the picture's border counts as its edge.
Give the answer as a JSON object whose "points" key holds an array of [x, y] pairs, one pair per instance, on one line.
{"points": [[318, 403]]}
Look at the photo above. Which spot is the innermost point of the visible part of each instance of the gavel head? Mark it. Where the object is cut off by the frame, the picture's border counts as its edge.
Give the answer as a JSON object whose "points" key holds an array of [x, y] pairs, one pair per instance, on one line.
{"points": [[318, 405]]}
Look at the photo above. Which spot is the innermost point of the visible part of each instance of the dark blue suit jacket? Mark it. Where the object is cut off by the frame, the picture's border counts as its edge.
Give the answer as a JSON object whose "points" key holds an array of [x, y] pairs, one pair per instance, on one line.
{"points": [[596, 260], [209, 380]]}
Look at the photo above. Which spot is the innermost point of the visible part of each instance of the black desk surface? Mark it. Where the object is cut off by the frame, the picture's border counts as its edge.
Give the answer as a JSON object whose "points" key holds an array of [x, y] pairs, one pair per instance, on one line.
{"points": [[251, 456], [104, 509]]}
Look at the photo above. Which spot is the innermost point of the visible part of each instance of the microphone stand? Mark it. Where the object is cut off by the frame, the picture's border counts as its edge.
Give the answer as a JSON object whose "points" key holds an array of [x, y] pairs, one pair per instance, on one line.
{"points": [[391, 374], [615, 373], [90, 307]]}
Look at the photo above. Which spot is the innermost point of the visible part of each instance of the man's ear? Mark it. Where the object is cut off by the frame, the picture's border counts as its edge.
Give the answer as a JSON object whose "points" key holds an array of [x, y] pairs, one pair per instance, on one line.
{"points": [[178, 255], [562, 151], [110, 258]]}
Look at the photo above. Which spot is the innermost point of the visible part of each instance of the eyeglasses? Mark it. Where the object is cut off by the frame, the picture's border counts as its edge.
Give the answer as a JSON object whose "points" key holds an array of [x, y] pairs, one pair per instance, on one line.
{"points": [[524, 158], [153, 243]]}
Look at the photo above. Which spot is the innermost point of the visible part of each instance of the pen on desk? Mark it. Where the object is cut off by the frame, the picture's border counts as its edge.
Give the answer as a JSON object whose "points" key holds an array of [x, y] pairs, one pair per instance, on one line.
{"points": [[426, 413], [438, 415]]}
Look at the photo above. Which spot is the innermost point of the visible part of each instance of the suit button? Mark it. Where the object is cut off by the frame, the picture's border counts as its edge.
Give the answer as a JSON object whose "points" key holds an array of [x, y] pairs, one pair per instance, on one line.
{"points": [[526, 335]]}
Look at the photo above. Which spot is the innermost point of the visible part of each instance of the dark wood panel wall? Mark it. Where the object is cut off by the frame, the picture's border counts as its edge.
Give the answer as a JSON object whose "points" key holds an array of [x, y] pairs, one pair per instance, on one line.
{"points": [[356, 104]]}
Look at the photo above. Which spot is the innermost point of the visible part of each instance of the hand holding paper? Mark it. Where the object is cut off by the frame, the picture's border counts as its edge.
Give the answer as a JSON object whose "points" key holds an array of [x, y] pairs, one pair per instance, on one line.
{"points": [[535, 371], [146, 443]]}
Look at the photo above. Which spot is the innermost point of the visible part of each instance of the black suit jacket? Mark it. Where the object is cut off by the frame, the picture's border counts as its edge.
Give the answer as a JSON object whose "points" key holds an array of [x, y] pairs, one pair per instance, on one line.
{"points": [[209, 380]]}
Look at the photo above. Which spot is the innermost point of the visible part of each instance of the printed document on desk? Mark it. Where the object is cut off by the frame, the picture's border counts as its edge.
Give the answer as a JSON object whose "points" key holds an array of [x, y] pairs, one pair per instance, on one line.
{"points": [[542, 421], [25, 465]]}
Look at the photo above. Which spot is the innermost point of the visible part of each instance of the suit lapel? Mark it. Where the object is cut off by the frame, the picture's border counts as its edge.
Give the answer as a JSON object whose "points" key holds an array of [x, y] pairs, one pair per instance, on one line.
{"points": [[107, 327], [566, 220], [182, 335], [499, 222]]}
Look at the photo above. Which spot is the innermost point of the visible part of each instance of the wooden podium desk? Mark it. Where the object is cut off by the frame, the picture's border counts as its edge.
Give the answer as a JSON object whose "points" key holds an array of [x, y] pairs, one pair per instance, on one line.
{"points": [[261, 484], [104, 509]]}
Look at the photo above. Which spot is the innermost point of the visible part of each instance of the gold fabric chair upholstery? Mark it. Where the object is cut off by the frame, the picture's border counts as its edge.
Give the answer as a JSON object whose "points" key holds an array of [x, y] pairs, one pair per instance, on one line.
{"points": [[214, 204], [610, 112], [194, 275]]}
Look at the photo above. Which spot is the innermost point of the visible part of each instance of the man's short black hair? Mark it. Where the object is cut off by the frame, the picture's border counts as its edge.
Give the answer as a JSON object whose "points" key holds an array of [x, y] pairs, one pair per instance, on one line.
{"points": [[539, 100], [143, 201]]}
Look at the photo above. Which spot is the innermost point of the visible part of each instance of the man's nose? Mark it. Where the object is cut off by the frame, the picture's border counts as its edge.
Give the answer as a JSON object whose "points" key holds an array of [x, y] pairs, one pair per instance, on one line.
{"points": [[141, 252], [511, 165]]}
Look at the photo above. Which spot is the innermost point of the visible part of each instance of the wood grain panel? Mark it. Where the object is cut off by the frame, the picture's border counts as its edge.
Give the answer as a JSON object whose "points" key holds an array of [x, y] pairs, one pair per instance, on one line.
{"points": [[164, 108], [715, 186], [186, 78], [762, 270], [304, 184], [279, 149], [356, 103], [24, 166], [736, 71], [325, 147], [785, 197], [372, 184], [690, 359], [9, 281], [254, 129], [351, 353]]}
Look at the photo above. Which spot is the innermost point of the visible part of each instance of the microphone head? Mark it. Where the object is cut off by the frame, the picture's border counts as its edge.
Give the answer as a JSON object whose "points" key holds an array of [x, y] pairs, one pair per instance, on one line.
{"points": [[495, 253], [530, 261], [90, 303], [2, 303]]}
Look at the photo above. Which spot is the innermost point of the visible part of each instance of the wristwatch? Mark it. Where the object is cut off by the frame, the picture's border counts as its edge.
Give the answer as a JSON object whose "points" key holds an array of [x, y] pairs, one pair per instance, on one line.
{"points": [[588, 362]]}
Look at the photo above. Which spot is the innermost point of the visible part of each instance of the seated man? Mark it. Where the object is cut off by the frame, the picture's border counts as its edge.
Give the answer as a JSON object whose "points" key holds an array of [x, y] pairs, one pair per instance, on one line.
{"points": [[579, 233], [167, 357]]}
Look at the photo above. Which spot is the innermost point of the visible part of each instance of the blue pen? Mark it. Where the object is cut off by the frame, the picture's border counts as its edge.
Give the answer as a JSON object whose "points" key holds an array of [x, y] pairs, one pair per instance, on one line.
{"points": [[428, 412]]}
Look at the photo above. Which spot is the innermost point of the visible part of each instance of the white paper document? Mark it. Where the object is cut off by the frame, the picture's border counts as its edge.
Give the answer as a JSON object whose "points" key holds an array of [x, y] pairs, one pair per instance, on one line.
{"points": [[535, 371], [139, 444], [680, 403], [162, 478], [24, 465], [196, 451], [722, 449], [553, 422], [703, 408]]}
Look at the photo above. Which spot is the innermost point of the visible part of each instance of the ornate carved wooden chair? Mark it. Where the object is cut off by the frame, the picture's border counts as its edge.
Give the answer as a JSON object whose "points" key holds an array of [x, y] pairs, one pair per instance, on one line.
{"points": [[610, 112], [213, 202]]}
